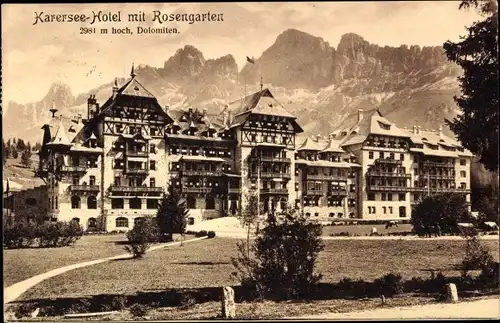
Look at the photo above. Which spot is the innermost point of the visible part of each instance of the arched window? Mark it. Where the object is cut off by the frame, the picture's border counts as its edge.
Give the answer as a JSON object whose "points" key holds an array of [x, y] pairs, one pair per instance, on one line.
{"points": [[77, 220], [91, 202], [92, 223], [210, 203], [402, 211], [75, 202], [135, 203], [121, 222], [191, 202]]}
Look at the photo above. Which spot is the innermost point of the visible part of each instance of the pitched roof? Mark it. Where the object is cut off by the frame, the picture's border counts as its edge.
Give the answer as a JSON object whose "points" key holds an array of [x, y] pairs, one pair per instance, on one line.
{"points": [[61, 136], [134, 88], [332, 146], [310, 144]]}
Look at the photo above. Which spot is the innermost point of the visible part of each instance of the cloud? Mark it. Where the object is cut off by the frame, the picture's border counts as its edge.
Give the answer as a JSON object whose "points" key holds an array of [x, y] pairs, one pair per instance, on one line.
{"points": [[34, 56]]}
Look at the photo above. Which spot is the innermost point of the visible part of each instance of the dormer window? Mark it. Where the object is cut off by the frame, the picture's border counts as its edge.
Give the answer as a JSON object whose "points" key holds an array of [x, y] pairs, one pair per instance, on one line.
{"points": [[384, 126]]}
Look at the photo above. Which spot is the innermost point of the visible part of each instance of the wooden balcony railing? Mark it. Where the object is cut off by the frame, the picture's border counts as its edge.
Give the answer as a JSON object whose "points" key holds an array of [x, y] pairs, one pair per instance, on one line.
{"points": [[234, 190], [204, 173], [389, 161], [315, 192], [84, 188], [438, 164], [135, 189], [377, 188], [76, 169], [388, 174], [274, 191], [275, 175], [196, 189], [325, 177], [337, 193], [141, 171], [132, 153], [275, 159]]}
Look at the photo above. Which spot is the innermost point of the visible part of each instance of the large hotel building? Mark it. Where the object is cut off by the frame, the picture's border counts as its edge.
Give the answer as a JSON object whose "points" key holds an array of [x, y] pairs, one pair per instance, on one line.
{"points": [[109, 170]]}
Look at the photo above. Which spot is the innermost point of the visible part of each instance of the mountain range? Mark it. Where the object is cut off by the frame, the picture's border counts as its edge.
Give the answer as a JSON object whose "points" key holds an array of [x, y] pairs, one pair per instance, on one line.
{"points": [[315, 81]]}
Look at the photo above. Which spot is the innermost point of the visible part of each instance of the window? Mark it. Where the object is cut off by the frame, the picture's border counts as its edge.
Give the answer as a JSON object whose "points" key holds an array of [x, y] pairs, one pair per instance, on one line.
{"points": [[316, 214], [152, 148], [296, 186], [152, 182], [402, 197], [384, 209], [75, 202], [383, 196], [135, 203], [402, 211], [462, 162], [117, 181], [340, 214], [415, 171], [57, 202], [121, 222], [463, 173], [92, 180], [209, 203], [76, 179], [463, 185], [402, 156], [370, 155], [415, 159], [371, 196], [152, 165], [390, 209], [191, 202], [381, 154], [331, 215], [77, 220], [117, 203], [30, 201], [91, 202], [391, 155], [152, 203], [389, 196]]}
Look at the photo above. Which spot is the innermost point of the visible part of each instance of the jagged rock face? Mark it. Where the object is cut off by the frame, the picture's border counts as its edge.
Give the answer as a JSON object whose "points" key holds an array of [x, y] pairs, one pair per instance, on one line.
{"points": [[321, 85], [295, 60]]}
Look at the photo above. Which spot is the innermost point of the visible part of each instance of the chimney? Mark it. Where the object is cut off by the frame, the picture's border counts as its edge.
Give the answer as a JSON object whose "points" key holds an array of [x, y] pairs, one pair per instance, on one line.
{"points": [[415, 130], [440, 130], [229, 116], [360, 115], [318, 137], [115, 88], [418, 129], [166, 108], [204, 112]]}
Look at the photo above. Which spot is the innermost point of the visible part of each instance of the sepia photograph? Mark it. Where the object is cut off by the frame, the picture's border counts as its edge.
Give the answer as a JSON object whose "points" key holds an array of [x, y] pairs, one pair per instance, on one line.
{"points": [[250, 161]]}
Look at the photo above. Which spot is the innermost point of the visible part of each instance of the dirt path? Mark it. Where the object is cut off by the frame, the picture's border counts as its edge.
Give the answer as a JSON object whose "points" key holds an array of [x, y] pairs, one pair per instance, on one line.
{"points": [[12, 292], [482, 309]]}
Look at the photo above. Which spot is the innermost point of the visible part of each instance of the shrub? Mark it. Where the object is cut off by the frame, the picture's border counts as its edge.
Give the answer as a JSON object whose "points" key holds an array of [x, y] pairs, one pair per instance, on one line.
{"points": [[48, 234], [211, 234], [390, 284], [201, 233], [477, 256], [141, 236], [139, 310], [283, 257]]}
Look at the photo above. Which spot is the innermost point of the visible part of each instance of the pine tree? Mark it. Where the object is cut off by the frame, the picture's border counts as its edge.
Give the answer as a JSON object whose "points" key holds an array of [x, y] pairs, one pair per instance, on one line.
{"points": [[14, 152], [172, 214], [477, 53], [26, 158]]}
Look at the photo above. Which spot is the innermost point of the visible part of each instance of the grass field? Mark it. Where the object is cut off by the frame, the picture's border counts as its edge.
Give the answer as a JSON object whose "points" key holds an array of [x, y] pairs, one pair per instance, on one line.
{"points": [[365, 229], [20, 264], [208, 264]]}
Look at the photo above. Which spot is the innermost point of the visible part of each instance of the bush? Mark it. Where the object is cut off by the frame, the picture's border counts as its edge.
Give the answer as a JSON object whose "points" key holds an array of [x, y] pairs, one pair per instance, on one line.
{"points": [[477, 256], [139, 310], [211, 234], [141, 237], [201, 233], [283, 257], [390, 284], [48, 234]]}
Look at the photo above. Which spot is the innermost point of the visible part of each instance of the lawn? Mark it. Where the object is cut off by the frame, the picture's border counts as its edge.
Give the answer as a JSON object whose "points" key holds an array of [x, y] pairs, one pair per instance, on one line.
{"points": [[207, 263], [365, 229], [20, 264]]}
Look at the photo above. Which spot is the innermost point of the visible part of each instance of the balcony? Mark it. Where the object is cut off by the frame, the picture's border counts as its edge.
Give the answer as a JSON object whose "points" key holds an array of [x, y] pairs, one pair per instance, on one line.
{"points": [[438, 190], [275, 191], [376, 188], [315, 192], [204, 173], [84, 188], [388, 174], [389, 161], [275, 175], [132, 153], [325, 177], [275, 159], [197, 189], [138, 171], [135, 189], [438, 164], [234, 190], [337, 193], [73, 169]]}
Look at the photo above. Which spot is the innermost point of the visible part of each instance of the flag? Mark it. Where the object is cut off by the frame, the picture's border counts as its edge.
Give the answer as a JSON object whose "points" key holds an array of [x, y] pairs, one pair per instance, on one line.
{"points": [[251, 61]]}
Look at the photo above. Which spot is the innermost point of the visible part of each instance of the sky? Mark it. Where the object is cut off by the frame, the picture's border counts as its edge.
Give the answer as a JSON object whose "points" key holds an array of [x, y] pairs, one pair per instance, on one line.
{"points": [[36, 55]]}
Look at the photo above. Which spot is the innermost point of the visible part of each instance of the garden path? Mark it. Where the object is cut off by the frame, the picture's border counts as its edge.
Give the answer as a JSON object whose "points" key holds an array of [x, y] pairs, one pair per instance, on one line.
{"points": [[12, 292]]}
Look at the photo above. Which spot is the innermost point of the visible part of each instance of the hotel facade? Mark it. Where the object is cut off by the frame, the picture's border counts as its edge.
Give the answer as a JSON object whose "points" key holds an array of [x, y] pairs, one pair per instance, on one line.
{"points": [[109, 170]]}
